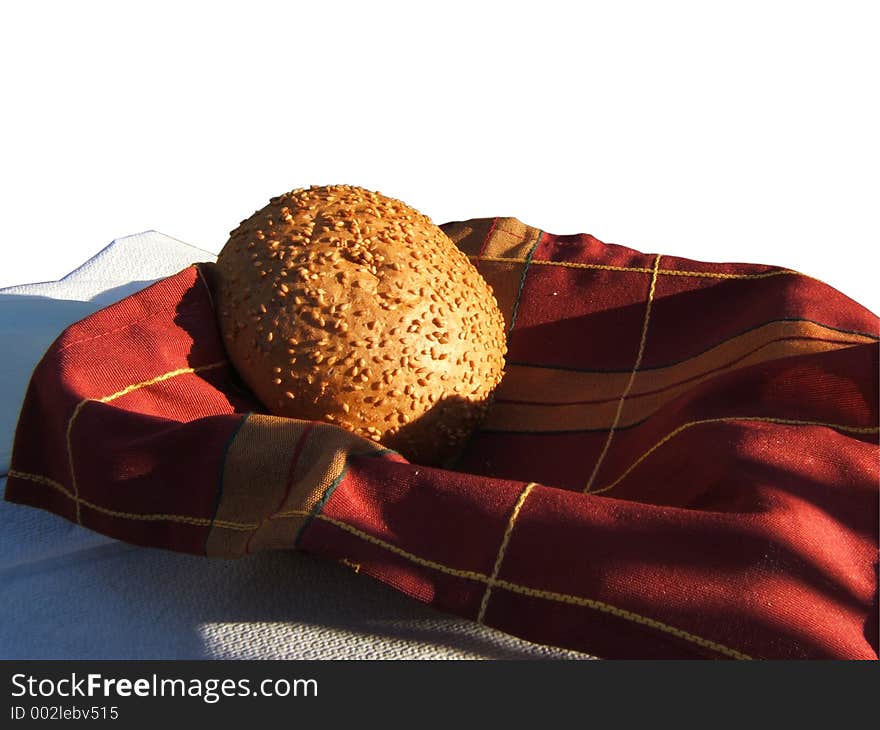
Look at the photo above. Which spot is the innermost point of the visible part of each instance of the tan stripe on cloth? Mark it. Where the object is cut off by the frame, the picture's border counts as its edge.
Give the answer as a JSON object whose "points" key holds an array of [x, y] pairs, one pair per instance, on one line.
{"points": [[508, 244], [277, 465], [548, 399], [470, 236]]}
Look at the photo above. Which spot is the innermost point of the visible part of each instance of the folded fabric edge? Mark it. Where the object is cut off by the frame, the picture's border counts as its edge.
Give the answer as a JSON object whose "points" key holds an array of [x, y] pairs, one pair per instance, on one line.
{"points": [[283, 505]]}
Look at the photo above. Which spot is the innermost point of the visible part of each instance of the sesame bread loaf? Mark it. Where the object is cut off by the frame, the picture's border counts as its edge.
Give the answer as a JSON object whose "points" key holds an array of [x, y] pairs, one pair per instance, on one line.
{"points": [[342, 305]]}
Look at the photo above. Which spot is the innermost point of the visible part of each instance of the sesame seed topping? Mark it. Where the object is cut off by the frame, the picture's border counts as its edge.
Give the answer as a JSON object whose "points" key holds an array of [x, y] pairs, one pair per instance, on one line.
{"points": [[316, 255]]}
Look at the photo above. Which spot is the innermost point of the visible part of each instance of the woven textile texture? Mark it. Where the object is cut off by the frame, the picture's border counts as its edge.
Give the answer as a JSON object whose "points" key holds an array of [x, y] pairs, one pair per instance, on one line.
{"points": [[681, 460]]}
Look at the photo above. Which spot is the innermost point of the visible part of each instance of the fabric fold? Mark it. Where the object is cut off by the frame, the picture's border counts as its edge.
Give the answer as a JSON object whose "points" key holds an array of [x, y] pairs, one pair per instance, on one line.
{"points": [[681, 461]]}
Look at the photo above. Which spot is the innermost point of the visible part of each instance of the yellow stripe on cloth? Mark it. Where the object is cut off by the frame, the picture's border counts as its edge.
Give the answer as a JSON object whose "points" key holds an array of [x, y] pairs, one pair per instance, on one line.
{"points": [[532, 383], [484, 604], [640, 269], [529, 591], [144, 516], [494, 581], [113, 396], [632, 378], [548, 399], [728, 419]]}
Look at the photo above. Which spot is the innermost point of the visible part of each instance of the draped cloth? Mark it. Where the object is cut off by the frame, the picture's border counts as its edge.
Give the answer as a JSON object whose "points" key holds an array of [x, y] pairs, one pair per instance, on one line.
{"points": [[680, 462]]}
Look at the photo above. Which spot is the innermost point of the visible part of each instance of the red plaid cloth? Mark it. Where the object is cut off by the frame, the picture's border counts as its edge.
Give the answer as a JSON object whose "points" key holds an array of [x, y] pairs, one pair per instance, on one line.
{"points": [[680, 462]]}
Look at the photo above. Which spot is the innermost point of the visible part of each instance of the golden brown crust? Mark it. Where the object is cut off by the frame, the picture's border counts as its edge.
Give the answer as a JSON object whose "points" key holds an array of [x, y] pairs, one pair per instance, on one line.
{"points": [[339, 304]]}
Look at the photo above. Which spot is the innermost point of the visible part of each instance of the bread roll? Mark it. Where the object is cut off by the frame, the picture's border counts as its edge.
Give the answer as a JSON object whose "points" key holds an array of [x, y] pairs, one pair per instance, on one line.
{"points": [[342, 305]]}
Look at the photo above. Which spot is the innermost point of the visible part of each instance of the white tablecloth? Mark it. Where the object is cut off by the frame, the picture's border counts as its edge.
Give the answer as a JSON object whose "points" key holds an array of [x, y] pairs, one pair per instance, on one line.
{"points": [[68, 593]]}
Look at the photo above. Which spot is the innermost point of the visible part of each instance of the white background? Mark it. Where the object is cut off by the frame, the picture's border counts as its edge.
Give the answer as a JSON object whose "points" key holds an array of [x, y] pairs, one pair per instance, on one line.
{"points": [[740, 131]]}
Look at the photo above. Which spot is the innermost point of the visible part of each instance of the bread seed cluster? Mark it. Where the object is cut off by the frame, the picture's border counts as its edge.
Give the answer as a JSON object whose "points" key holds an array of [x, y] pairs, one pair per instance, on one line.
{"points": [[342, 305]]}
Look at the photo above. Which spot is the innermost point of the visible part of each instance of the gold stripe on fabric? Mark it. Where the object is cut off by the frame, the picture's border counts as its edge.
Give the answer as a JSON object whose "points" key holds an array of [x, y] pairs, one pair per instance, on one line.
{"points": [[143, 516], [730, 419], [255, 479], [644, 269], [249, 526], [780, 338], [469, 236], [526, 417], [511, 241], [518, 418], [532, 592], [520, 589], [505, 540], [113, 396], [504, 280], [643, 339], [506, 277], [322, 462]]}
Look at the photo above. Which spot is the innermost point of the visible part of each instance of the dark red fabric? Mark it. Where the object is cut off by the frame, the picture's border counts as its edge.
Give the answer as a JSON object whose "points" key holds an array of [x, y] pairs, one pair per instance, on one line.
{"points": [[734, 515]]}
